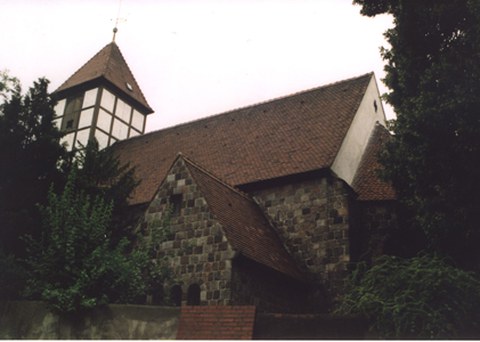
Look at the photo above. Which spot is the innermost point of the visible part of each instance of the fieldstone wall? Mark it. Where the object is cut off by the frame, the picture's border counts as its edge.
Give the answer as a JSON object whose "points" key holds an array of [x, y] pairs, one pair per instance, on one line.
{"points": [[312, 217], [196, 247]]}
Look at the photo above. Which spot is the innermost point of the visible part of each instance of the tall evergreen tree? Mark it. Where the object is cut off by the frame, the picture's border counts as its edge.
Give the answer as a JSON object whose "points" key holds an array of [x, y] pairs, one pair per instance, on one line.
{"points": [[100, 174], [433, 73], [30, 153]]}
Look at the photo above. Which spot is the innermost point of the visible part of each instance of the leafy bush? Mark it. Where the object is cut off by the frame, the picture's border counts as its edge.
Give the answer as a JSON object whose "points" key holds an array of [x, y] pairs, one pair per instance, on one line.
{"points": [[74, 265], [422, 297]]}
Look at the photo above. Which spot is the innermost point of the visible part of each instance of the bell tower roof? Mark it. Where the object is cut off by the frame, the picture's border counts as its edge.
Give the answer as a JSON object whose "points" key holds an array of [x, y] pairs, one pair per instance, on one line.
{"points": [[107, 66]]}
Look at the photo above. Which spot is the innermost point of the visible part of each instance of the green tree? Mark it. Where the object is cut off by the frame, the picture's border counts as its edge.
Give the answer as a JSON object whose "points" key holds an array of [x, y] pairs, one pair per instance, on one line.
{"points": [[73, 266], [101, 174], [421, 297], [30, 153], [433, 74]]}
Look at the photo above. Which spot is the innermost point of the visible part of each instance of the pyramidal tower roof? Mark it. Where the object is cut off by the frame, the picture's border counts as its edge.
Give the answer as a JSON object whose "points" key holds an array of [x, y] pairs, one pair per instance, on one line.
{"points": [[109, 66]]}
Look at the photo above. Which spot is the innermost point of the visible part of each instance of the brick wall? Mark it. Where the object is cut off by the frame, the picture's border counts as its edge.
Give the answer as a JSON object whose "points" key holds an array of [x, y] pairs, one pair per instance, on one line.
{"points": [[216, 323], [197, 249], [312, 217]]}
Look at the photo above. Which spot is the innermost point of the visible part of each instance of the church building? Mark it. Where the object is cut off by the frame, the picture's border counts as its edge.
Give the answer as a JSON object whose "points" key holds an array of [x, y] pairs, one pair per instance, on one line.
{"points": [[266, 205]]}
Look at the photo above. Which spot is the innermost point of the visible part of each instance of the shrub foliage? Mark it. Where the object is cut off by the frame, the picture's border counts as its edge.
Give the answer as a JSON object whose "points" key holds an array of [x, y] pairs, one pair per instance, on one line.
{"points": [[73, 265], [421, 297]]}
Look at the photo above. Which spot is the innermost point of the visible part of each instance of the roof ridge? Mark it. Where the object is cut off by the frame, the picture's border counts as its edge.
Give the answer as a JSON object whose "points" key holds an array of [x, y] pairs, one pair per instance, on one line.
{"points": [[213, 176], [300, 92], [230, 111], [109, 56]]}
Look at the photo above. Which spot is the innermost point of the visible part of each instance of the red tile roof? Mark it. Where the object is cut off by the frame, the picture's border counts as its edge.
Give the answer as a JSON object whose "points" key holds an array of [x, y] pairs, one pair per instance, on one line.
{"points": [[216, 323], [110, 65], [246, 227], [293, 134], [367, 184]]}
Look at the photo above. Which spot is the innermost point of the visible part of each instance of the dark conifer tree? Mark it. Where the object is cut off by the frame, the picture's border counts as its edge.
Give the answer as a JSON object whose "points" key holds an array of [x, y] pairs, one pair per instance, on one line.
{"points": [[433, 73], [100, 174], [30, 154]]}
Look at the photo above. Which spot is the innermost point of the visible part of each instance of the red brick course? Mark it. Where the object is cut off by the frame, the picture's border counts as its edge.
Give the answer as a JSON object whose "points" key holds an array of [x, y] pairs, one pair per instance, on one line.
{"points": [[216, 323]]}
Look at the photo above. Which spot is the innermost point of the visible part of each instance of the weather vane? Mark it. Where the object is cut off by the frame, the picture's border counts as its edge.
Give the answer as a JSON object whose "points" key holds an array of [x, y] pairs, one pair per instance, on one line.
{"points": [[118, 20]]}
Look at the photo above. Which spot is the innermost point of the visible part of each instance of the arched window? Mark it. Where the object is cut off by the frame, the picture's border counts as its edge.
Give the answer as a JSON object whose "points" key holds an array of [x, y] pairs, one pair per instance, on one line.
{"points": [[176, 295], [193, 295]]}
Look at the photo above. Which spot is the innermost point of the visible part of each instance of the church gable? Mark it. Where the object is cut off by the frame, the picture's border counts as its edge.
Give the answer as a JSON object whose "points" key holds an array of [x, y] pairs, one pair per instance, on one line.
{"points": [[196, 247], [245, 225], [369, 113], [210, 224]]}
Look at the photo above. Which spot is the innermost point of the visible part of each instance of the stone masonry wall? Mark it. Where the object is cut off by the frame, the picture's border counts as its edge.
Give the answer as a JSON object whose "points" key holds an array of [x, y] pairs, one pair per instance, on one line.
{"points": [[196, 249], [312, 217]]}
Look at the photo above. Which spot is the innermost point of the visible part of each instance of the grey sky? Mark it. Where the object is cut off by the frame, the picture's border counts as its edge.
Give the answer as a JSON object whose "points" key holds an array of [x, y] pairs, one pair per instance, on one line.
{"points": [[194, 58]]}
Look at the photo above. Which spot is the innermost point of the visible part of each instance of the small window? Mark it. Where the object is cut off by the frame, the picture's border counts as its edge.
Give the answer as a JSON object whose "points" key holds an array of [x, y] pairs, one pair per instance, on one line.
{"points": [[69, 124], [375, 106], [193, 295], [176, 204], [176, 295]]}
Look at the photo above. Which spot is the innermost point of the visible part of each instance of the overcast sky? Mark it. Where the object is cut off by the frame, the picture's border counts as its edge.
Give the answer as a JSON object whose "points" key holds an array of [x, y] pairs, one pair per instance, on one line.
{"points": [[195, 58]]}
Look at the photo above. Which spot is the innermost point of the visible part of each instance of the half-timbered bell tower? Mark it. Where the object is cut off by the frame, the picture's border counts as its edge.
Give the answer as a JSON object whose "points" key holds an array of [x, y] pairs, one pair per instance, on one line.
{"points": [[101, 100]]}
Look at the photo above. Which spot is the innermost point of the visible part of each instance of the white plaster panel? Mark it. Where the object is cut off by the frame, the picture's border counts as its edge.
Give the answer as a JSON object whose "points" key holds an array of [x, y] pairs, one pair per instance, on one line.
{"points": [[123, 111], [60, 107], [108, 100], [133, 133], [82, 138], [68, 140], [90, 98], [58, 123], [138, 120], [353, 146], [104, 120], [86, 117], [102, 139], [119, 130]]}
